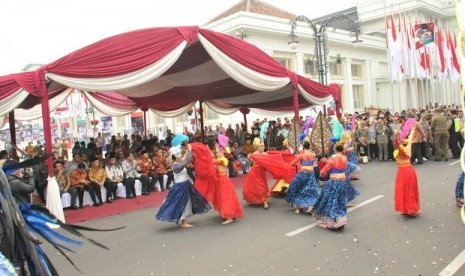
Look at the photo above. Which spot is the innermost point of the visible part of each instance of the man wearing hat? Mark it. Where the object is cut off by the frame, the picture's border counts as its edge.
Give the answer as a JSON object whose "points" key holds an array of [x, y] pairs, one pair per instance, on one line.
{"points": [[114, 176], [22, 184], [440, 129]]}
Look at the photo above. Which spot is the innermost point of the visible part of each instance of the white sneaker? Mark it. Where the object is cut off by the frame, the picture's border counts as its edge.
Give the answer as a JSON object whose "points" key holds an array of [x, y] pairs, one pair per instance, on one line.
{"points": [[424, 159]]}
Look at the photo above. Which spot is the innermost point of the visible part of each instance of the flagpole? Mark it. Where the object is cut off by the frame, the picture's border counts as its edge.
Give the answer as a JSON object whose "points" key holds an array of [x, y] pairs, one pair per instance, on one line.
{"points": [[389, 57]]}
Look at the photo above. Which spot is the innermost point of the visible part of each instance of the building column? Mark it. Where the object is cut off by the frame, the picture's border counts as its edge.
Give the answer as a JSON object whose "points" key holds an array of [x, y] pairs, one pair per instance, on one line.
{"points": [[299, 63], [370, 88], [348, 93]]}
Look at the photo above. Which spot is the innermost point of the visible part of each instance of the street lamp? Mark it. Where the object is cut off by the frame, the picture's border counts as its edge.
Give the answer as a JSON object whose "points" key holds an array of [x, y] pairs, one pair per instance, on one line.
{"points": [[320, 37]]}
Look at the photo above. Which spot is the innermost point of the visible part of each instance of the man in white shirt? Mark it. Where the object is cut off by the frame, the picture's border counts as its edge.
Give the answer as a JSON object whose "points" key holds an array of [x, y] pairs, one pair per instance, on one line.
{"points": [[162, 136], [99, 143]]}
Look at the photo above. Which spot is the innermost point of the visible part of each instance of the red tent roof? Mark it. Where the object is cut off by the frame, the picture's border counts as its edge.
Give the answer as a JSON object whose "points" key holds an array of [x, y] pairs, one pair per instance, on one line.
{"points": [[167, 69]]}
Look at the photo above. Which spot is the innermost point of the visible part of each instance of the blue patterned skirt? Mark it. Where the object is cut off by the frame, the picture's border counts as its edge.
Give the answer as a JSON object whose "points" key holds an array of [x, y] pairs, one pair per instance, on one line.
{"points": [[459, 187], [331, 206], [182, 199], [352, 193], [352, 158], [303, 191]]}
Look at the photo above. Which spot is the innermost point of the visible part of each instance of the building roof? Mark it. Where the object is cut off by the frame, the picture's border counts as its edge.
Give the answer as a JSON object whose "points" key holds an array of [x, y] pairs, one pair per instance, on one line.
{"points": [[254, 6], [340, 22]]}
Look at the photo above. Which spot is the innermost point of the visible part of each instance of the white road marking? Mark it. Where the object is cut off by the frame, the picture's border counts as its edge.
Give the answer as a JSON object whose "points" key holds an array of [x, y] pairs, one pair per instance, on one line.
{"points": [[305, 228], [453, 163], [455, 265]]}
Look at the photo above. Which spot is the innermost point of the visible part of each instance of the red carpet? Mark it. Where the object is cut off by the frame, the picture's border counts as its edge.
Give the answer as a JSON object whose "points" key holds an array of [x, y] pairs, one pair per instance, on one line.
{"points": [[124, 205]]}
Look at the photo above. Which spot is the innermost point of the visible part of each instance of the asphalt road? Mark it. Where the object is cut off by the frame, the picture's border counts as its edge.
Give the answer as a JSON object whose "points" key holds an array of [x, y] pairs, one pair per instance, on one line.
{"points": [[376, 240]]}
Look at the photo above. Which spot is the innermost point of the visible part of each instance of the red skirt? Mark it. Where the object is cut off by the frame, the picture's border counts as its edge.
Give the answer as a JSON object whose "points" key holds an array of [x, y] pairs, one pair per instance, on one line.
{"points": [[255, 190], [407, 197], [228, 204]]}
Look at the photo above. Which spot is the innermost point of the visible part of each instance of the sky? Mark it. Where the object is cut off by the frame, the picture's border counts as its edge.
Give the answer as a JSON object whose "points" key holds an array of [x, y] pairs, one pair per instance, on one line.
{"points": [[39, 32]]}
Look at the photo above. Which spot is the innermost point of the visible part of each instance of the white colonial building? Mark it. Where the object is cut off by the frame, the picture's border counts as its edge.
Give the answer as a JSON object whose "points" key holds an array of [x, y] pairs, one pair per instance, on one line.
{"points": [[361, 69]]}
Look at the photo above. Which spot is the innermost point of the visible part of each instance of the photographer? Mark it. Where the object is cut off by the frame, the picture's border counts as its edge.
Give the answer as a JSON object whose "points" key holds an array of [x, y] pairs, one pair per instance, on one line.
{"points": [[22, 184]]}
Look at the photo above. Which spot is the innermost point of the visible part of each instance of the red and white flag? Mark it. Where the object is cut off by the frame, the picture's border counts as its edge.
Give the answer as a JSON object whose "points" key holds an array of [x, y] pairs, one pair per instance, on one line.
{"points": [[440, 56], [455, 64], [395, 52]]}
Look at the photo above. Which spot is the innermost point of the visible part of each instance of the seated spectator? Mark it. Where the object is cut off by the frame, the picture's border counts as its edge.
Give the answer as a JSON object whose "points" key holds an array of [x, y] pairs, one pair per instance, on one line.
{"points": [[145, 165], [130, 167], [115, 175], [159, 166], [97, 177], [22, 184], [80, 182], [169, 168], [64, 184], [72, 165]]}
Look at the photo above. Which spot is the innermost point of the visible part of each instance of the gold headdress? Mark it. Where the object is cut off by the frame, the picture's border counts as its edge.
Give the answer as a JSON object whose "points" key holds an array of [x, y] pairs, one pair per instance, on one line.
{"points": [[256, 142]]}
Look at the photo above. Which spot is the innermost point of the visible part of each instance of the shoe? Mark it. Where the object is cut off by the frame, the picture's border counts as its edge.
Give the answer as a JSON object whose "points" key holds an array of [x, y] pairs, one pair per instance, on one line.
{"points": [[424, 159], [80, 206], [96, 205], [437, 160], [145, 194], [109, 200], [447, 159], [129, 197], [74, 207]]}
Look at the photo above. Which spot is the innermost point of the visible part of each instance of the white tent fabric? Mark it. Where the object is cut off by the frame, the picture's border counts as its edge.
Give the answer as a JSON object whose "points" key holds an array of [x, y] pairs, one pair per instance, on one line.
{"points": [[14, 100], [36, 111], [310, 98], [243, 75], [221, 110], [173, 113], [106, 109]]}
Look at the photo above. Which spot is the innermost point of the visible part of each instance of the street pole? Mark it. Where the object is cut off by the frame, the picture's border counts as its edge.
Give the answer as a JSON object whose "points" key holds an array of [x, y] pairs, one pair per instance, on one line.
{"points": [[320, 39]]}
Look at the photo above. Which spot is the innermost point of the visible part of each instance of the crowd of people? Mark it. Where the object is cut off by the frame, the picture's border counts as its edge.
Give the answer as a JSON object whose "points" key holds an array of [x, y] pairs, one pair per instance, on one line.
{"points": [[433, 134]]}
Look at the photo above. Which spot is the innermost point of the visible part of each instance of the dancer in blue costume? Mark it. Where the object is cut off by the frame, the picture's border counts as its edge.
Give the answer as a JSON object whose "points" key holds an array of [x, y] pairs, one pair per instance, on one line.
{"points": [[353, 170], [303, 190], [183, 200], [331, 207], [459, 198]]}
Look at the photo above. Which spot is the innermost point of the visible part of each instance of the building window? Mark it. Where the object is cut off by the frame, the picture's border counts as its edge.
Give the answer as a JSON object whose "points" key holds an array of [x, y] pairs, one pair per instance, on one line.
{"points": [[286, 62], [358, 91], [335, 69], [210, 114], [183, 118], [161, 120], [357, 70], [310, 66]]}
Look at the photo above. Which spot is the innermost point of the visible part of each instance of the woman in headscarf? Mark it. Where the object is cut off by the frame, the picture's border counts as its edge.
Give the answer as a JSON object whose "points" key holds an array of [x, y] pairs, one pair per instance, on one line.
{"points": [[183, 200]]}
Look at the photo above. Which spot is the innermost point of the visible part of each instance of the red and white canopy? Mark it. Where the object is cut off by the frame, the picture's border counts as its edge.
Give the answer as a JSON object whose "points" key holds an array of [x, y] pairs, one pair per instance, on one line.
{"points": [[167, 70]]}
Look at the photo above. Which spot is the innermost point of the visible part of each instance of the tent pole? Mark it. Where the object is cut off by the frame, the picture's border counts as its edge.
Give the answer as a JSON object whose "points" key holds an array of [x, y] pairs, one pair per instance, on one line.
{"points": [[47, 130], [145, 120], [295, 98], [245, 120], [11, 119], [202, 130]]}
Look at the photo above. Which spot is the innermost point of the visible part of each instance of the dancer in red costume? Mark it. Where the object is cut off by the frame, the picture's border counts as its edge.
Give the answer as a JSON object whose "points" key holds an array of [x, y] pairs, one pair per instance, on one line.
{"points": [[406, 198], [255, 190], [228, 205]]}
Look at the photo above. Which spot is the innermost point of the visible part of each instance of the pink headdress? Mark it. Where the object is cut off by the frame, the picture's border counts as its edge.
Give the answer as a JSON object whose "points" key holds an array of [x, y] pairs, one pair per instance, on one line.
{"points": [[223, 140], [409, 124]]}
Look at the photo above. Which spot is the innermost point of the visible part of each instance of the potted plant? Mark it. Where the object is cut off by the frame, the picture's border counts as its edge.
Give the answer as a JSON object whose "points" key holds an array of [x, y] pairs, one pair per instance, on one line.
{"points": [[338, 59]]}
